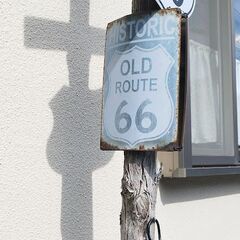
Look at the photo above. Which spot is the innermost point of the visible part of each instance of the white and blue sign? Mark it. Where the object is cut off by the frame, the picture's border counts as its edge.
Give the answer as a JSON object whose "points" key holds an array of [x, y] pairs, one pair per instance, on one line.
{"points": [[187, 6], [141, 82]]}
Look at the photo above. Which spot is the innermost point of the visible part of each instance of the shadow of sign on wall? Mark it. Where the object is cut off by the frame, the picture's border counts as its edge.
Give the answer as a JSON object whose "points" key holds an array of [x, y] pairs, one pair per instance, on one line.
{"points": [[73, 146]]}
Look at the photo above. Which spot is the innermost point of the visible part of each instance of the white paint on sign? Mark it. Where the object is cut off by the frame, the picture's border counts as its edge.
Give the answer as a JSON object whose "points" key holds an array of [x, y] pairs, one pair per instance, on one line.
{"points": [[138, 85], [187, 6]]}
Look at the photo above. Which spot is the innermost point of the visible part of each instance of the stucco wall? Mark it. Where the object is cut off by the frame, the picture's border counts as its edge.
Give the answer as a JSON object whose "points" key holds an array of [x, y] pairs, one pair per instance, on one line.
{"points": [[55, 183]]}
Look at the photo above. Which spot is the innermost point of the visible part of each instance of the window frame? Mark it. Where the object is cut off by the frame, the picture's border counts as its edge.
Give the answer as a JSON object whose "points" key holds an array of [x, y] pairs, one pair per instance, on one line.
{"points": [[187, 160]]}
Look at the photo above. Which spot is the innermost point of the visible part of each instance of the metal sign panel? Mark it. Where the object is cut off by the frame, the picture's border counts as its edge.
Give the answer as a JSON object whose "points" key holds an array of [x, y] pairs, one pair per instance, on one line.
{"points": [[141, 82]]}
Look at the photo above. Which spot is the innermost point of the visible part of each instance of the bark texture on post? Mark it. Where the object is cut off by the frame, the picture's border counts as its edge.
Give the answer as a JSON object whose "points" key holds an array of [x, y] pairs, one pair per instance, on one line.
{"points": [[139, 190], [140, 178]]}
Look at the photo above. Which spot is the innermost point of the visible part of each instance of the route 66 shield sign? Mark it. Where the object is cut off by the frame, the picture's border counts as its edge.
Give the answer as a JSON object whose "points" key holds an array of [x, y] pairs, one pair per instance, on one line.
{"points": [[141, 82]]}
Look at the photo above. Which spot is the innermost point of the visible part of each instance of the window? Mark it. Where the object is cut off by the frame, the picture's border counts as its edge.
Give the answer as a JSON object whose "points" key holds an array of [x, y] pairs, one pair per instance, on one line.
{"points": [[211, 80], [212, 128], [237, 55]]}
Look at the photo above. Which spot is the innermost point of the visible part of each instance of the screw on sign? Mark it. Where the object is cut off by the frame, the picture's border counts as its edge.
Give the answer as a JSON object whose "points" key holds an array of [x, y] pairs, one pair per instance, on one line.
{"points": [[141, 82]]}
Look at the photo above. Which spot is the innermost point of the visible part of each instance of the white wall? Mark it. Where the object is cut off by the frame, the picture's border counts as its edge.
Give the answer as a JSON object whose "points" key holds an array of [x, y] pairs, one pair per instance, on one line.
{"points": [[55, 183]]}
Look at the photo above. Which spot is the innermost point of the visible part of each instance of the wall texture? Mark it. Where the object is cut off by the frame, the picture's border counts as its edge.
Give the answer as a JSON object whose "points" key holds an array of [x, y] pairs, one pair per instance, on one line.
{"points": [[55, 183]]}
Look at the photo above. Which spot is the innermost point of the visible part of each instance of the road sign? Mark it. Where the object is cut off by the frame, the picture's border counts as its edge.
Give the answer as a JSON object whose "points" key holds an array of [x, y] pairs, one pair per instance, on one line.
{"points": [[141, 82], [187, 6]]}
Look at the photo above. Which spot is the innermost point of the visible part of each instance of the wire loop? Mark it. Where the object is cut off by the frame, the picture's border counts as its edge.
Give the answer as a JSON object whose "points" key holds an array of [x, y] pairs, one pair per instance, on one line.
{"points": [[153, 221]]}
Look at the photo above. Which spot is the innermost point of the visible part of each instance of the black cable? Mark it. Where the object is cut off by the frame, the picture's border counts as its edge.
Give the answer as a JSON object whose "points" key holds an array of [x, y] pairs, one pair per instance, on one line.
{"points": [[162, 6], [153, 221]]}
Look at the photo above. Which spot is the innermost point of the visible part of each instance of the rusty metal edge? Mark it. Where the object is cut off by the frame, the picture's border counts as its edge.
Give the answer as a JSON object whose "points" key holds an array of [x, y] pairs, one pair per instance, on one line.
{"points": [[173, 146], [161, 12], [183, 79]]}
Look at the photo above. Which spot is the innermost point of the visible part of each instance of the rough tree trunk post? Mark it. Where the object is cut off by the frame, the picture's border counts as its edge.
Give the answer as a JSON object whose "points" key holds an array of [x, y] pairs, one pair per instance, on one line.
{"points": [[140, 177], [139, 188]]}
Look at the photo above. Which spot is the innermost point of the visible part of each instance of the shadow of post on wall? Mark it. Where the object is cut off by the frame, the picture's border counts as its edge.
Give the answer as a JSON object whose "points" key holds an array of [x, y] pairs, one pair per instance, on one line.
{"points": [[73, 146]]}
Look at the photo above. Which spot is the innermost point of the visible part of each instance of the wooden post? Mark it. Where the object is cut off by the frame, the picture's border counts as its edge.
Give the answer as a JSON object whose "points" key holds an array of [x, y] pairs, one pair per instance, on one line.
{"points": [[140, 177], [144, 5], [139, 188]]}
